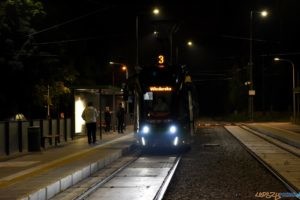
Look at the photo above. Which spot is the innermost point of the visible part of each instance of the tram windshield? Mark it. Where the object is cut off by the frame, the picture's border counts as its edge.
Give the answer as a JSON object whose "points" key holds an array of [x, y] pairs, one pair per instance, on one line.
{"points": [[157, 104]]}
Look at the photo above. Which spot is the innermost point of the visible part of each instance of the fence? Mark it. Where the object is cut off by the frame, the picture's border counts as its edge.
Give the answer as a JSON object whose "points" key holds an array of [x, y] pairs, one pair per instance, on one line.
{"points": [[14, 134]]}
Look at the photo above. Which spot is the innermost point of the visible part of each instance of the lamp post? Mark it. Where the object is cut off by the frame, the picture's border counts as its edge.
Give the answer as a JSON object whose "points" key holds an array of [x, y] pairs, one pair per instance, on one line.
{"points": [[124, 68], [48, 102], [114, 95], [251, 85], [155, 11], [293, 74], [189, 44], [137, 40]]}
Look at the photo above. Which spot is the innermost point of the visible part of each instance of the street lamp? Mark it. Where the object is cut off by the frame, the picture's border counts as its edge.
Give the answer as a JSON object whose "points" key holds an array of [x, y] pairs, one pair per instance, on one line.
{"points": [[189, 44], [155, 11], [251, 85], [293, 74], [123, 67]]}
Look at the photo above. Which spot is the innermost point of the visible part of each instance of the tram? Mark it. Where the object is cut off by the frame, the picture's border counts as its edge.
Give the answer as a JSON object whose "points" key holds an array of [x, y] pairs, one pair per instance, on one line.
{"points": [[163, 107]]}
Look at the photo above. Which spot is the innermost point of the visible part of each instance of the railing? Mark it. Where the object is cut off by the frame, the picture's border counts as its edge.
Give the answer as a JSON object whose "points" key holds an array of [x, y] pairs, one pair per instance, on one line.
{"points": [[14, 134]]}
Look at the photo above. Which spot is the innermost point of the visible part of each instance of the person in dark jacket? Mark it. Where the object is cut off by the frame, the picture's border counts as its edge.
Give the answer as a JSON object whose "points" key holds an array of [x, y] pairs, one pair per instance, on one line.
{"points": [[121, 118], [107, 118]]}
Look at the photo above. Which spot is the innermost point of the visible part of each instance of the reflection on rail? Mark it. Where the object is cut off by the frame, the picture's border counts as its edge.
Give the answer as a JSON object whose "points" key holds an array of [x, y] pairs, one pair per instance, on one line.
{"points": [[147, 177]]}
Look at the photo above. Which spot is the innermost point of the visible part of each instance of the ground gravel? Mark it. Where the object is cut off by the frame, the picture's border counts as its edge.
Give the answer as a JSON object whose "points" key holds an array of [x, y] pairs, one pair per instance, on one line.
{"points": [[218, 167]]}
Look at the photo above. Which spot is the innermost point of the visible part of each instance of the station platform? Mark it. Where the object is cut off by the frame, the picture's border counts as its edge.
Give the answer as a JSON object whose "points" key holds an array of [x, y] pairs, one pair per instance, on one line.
{"points": [[43, 174]]}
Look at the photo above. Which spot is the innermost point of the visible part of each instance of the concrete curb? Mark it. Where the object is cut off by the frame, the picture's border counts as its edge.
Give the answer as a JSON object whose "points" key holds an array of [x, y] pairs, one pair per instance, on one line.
{"points": [[68, 181]]}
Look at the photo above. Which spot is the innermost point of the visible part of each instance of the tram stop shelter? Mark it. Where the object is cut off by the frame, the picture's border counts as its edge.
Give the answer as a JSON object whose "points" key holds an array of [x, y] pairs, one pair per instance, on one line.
{"points": [[101, 96]]}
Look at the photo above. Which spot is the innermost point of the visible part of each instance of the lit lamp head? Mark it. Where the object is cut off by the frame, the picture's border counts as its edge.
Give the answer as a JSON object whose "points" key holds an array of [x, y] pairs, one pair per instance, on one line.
{"points": [[276, 59], [124, 67], [155, 11], [264, 13], [190, 43]]}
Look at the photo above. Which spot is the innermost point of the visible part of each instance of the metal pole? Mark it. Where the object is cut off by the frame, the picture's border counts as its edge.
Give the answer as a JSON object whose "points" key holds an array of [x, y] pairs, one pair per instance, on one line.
{"points": [[127, 103], [114, 112], [251, 66], [174, 29], [137, 39], [294, 85], [191, 114], [171, 48], [48, 102], [100, 116], [294, 96], [177, 54], [114, 100], [113, 76]]}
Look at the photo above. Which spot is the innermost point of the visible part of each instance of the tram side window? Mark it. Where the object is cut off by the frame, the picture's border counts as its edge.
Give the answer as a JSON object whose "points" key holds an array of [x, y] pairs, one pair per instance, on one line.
{"points": [[148, 96], [147, 103]]}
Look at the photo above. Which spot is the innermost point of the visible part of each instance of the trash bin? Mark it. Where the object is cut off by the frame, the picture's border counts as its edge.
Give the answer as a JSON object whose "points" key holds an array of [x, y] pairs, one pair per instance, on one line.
{"points": [[34, 138]]}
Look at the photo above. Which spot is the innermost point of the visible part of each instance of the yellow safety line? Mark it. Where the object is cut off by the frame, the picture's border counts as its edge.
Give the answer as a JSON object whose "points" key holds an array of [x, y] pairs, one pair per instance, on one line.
{"points": [[14, 178]]}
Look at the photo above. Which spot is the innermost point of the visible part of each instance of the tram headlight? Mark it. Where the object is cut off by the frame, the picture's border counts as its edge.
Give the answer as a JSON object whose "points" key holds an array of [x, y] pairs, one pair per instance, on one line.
{"points": [[175, 142], [145, 129], [173, 129], [143, 141]]}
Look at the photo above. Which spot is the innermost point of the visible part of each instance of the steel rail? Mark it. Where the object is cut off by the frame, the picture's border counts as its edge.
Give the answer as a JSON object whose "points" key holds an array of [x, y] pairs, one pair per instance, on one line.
{"points": [[256, 132], [163, 188], [97, 185], [273, 171], [159, 194]]}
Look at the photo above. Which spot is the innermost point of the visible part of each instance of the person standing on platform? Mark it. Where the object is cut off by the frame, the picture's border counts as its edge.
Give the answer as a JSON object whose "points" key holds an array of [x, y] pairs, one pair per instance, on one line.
{"points": [[89, 115], [107, 118], [121, 118]]}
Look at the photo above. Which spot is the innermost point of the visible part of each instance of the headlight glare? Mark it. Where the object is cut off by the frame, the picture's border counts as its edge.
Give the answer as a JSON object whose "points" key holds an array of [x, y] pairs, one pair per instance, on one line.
{"points": [[145, 129], [173, 129]]}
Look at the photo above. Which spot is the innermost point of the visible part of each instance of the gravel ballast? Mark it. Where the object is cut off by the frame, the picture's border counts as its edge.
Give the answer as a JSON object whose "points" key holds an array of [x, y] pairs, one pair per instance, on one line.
{"points": [[218, 167]]}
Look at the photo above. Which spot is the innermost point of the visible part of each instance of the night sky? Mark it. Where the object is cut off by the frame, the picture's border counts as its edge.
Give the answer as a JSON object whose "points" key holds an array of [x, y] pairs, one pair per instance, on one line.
{"points": [[103, 31], [219, 30]]}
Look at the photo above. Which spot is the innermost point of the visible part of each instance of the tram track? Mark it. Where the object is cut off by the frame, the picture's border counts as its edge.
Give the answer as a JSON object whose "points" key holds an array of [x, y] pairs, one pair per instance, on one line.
{"points": [[161, 192], [274, 141], [269, 142], [158, 184], [144, 176], [96, 185]]}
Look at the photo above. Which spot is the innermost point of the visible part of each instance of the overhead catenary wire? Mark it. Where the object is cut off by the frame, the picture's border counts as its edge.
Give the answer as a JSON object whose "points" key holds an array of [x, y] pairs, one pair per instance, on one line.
{"points": [[74, 40], [68, 21], [30, 36]]}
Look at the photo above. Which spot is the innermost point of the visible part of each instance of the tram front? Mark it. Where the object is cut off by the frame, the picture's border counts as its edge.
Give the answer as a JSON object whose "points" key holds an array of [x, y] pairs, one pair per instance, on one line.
{"points": [[162, 109]]}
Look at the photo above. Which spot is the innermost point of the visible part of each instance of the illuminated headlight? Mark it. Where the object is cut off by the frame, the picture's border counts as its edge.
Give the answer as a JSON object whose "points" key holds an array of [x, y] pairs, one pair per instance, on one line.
{"points": [[175, 142], [143, 141], [145, 129], [173, 129]]}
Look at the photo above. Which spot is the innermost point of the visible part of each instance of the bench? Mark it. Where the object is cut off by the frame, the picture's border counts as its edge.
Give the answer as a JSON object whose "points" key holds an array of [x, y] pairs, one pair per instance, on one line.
{"points": [[50, 138]]}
